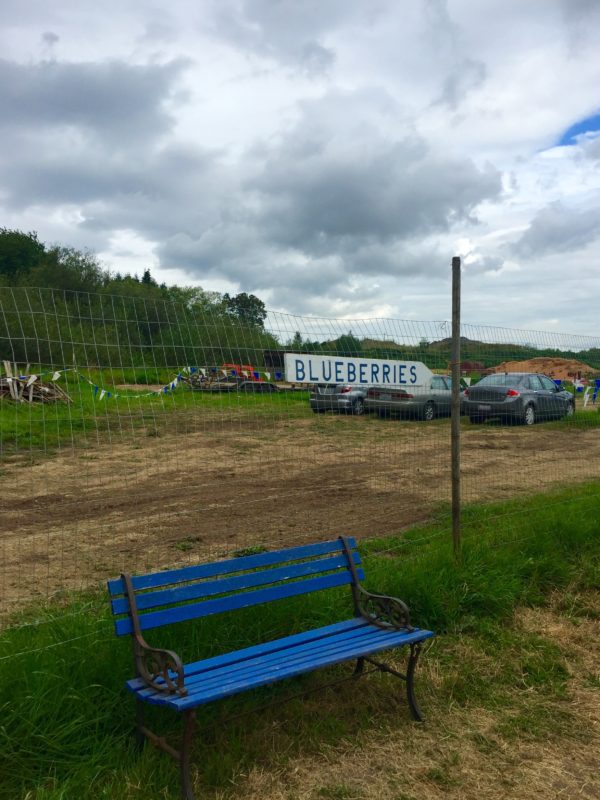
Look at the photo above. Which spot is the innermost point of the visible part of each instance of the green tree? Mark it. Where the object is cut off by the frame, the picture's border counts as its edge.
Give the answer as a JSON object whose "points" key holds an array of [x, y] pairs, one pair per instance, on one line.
{"points": [[19, 253], [348, 345], [67, 269], [147, 279], [247, 308]]}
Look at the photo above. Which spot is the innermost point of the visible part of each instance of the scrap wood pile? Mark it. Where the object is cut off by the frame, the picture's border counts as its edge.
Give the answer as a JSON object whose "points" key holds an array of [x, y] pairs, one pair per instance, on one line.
{"points": [[196, 381], [211, 381], [25, 388]]}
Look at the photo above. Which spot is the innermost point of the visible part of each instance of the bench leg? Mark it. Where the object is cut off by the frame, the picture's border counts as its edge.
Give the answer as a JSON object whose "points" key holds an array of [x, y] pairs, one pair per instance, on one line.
{"points": [[140, 725], [409, 678], [189, 724], [415, 650], [359, 668]]}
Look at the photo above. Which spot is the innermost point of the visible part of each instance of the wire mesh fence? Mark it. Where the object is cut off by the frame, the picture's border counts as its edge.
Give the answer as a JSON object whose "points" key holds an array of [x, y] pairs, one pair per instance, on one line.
{"points": [[139, 434]]}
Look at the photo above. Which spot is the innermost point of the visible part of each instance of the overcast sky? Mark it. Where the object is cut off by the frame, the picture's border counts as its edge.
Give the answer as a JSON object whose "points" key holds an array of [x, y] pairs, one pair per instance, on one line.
{"points": [[330, 156]]}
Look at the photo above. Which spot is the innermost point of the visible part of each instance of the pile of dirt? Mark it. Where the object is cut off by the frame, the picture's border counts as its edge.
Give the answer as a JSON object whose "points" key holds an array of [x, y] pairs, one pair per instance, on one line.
{"points": [[559, 368]]}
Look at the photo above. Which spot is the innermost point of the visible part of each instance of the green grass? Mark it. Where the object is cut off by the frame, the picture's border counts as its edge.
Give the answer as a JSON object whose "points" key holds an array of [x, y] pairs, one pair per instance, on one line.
{"points": [[39, 429], [42, 429], [65, 719]]}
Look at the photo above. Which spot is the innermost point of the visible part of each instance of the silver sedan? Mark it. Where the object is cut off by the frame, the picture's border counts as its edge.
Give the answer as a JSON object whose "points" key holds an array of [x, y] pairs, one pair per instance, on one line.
{"points": [[426, 402], [330, 397]]}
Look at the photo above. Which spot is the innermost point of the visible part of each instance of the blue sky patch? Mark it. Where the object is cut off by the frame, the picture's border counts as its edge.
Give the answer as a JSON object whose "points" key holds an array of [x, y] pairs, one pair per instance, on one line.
{"points": [[587, 125]]}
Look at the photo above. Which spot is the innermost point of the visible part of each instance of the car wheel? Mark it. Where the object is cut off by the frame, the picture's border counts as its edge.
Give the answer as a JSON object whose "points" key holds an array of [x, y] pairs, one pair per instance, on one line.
{"points": [[429, 412], [358, 406], [529, 415], [570, 410]]}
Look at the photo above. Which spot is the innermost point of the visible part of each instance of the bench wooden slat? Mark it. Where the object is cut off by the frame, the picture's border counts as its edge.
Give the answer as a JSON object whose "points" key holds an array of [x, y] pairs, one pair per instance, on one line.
{"points": [[185, 574], [346, 646], [197, 591], [276, 645], [350, 642], [385, 641], [155, 619]]}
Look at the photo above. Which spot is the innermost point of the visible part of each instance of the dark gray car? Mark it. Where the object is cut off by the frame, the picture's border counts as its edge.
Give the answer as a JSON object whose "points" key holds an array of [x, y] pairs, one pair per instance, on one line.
{"points": [[517, 397], [330, 397], [434, 399]]}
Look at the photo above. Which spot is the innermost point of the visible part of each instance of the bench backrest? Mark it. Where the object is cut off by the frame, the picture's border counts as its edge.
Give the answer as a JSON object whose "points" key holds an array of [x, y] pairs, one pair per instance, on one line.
{"points": [[176, 595]]}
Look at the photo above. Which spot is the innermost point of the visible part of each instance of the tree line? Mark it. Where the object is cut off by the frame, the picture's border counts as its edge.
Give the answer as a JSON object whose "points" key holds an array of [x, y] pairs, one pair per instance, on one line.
{"points": [[59, 306]]}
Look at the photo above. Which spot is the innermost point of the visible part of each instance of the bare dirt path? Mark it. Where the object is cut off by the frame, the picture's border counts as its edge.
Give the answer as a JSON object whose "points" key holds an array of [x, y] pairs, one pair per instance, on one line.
{"points": [[196, 490]]}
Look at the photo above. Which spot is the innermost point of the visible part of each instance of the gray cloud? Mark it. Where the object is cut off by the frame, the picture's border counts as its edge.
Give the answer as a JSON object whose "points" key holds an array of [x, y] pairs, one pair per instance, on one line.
{"points": [[464, 78], [76, 134], [558, 229], [114, 100], [326, 186], [288, 31], [579, 11], [49, 38], [331, 199], [349, 189], [591, 148]]}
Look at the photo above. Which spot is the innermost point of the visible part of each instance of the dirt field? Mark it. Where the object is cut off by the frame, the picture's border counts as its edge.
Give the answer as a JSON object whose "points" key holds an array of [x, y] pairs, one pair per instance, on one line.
{"points": [[153, 497]]}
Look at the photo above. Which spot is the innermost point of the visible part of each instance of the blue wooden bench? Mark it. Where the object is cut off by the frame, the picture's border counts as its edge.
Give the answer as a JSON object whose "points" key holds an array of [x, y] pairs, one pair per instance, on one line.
{"points": [[163, 598]]}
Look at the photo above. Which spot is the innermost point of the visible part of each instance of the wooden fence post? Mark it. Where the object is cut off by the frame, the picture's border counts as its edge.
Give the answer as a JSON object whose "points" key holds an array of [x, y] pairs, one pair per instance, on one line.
{"points": [[455, 412]]}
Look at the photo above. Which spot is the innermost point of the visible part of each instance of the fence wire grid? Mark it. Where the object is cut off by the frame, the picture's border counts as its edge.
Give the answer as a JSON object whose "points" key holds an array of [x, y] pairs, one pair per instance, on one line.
{"points": [[138, 435]]}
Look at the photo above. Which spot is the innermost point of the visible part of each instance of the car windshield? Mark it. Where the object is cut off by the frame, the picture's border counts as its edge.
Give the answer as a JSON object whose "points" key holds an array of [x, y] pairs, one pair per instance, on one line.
{"points": [[500, 380]]}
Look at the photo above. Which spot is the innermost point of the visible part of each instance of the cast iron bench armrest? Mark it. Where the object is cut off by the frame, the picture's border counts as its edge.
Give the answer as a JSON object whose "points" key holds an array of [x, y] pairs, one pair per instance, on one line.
{"points": [[378, 609], [153, 662], [381, 610]]}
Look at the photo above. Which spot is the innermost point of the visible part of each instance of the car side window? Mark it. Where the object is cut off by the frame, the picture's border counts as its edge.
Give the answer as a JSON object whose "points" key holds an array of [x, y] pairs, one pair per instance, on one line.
{"points": [[438, 383], [547, 383], [534, 383]]}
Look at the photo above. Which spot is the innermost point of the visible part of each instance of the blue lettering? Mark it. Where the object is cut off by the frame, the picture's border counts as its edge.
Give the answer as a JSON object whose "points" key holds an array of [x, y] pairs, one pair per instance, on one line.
{"points": [[299, 371], [374, 373], [362, 369], [327, 371], [314, 378], [401, 369], [386, 373], [351, 373], [413, 374], [338, 371]]}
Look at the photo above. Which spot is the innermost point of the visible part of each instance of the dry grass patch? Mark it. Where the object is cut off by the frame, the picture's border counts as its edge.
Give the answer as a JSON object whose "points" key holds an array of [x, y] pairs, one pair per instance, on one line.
{"points": [[533, 739]]}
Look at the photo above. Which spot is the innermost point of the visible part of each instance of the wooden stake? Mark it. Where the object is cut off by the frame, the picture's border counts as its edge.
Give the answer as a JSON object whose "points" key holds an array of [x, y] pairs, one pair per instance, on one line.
{"points": [[455, 413]]}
